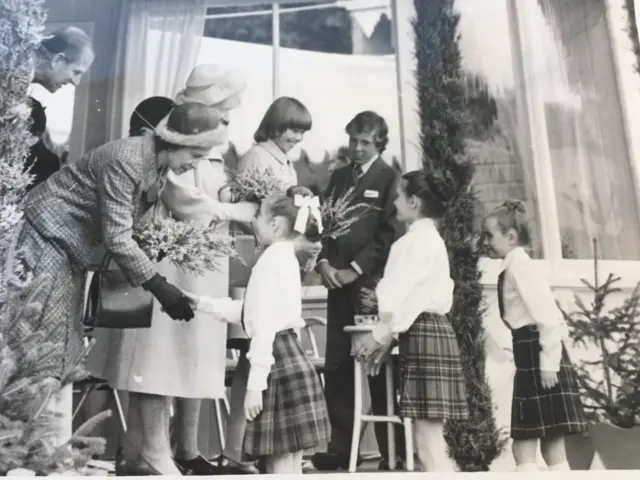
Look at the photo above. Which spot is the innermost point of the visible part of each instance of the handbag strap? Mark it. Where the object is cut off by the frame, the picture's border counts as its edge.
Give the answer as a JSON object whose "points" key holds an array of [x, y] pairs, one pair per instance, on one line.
{"points": [[104, 265]]}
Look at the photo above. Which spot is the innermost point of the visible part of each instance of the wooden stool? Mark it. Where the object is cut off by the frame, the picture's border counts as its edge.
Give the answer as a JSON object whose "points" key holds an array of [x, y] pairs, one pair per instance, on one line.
{"points": [[390, 418]]}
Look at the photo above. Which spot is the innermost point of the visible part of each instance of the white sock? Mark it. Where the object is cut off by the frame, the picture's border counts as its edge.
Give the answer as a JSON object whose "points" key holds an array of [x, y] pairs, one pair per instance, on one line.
{"points": [[564, 466], [527, 467]]}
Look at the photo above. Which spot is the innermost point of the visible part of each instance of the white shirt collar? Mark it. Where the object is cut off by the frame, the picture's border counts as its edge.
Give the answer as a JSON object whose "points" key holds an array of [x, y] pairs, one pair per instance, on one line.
{"points": [[422, 224], [366, 166], [279, 248], [514, 255]]}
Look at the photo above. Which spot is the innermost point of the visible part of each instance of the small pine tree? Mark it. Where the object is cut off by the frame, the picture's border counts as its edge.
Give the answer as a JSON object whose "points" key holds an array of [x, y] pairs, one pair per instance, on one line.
{"points": [[474, 443], [28, 429], [613, 396]]}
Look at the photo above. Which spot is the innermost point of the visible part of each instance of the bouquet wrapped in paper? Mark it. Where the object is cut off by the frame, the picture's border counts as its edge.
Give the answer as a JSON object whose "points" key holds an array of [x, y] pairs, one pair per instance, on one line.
{"points": [[194, 247], [253, 185]]}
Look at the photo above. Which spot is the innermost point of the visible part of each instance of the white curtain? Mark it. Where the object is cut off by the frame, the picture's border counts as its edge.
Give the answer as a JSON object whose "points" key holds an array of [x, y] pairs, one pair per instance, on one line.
{"points": [[174, 54]]}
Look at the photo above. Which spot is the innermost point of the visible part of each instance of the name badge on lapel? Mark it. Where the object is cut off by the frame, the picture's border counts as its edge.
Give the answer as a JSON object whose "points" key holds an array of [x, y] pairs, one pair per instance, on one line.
{"points": [[371, 194]]}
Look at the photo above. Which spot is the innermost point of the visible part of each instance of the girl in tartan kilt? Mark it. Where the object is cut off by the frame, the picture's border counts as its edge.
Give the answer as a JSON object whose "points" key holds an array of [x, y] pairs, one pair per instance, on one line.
{"points": [[414, 298], [546, 400], [284, 403]]}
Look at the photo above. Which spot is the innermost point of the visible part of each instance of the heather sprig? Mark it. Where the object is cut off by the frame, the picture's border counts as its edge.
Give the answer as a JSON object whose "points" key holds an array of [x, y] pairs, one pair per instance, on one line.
{"points": [[254, 185], [339, 215], [194, 247]]}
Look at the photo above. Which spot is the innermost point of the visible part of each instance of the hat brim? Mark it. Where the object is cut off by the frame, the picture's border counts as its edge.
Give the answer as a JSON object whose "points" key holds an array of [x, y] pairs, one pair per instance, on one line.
{"points": [[205, 140]]}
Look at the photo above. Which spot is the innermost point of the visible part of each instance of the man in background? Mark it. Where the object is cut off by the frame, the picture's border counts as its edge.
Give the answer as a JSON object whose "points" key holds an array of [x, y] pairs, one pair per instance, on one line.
{"points": [[61, 59]]}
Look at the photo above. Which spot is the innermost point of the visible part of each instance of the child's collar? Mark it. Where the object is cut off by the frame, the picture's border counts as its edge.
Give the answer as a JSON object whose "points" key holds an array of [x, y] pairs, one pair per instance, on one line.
{"points": [[422, 223], [513, 255]]}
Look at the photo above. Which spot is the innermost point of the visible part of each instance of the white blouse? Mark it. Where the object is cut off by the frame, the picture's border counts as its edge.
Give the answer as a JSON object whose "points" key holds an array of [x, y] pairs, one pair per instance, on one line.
{"points": [[528, 300], [272, 304], [416, 279]]}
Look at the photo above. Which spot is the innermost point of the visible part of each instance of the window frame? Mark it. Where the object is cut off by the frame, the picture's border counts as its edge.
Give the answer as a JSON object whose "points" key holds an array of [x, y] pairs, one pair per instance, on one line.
{"points": [[560, 271], [564, 272]]}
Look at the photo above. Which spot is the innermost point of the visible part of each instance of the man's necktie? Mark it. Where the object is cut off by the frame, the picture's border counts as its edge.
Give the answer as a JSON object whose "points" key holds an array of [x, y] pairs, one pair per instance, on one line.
{"points": [[357, 173]]}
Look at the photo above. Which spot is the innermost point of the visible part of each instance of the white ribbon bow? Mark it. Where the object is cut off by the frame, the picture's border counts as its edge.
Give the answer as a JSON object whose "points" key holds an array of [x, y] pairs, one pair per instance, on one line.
{"points": [[307, 205]]}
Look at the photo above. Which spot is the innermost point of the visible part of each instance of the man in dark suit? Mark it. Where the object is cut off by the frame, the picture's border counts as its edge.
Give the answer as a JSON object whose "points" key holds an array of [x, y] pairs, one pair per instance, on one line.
{"points": [[61, 59], [347, 264]]}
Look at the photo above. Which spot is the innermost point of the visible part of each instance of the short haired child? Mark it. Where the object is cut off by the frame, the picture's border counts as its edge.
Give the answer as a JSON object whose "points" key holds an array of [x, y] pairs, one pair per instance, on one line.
{"points": [[546, 401], [414, 298], [284, 403]]}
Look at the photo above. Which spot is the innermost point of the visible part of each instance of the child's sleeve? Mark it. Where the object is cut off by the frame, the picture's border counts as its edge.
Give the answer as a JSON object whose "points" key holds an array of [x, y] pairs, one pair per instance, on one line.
{"points": [[265, 318], [228, 309], [410, 264], [541, 305]]}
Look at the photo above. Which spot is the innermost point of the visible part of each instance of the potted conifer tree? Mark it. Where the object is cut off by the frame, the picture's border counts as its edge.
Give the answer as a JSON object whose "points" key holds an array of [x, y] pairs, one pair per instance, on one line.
{"points": [[610, 378]]}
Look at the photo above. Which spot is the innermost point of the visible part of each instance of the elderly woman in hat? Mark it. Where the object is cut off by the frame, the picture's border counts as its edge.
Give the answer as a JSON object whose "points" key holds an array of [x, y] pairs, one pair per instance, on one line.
{"points": [[187, 361], [97, 201]]}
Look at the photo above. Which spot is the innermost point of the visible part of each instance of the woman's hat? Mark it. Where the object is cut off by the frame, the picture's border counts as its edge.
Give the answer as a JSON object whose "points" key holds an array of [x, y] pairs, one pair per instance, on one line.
{"points": [[192, 125], [213, 85]]}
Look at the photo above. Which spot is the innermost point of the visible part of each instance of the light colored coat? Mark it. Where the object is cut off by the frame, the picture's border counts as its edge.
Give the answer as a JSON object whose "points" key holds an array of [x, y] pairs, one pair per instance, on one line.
{"points": [[268, 155]]}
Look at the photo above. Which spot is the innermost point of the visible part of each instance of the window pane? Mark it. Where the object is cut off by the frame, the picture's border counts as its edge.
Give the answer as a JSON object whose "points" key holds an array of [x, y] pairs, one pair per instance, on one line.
{"points": [[338, 60], [498, 137], [568, 43], [240, 38]]}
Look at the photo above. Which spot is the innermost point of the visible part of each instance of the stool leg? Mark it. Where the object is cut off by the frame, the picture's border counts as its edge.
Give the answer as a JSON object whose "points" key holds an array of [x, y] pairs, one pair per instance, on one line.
{"points": [[218, 403], [357, 416], [390, 426], [123, 420], [408, 442]]}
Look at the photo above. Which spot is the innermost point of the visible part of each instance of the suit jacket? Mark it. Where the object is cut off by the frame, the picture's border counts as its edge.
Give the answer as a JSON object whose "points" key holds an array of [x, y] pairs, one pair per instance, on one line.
{"points": [[97, 200], [41, 162], [367, 244], [369, 240]]}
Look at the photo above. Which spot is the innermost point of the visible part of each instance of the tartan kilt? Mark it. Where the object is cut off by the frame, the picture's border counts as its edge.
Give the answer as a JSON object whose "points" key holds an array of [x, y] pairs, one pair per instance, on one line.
{"points": [[294, 412], [62, 298], [431, 379], [539, 413]]}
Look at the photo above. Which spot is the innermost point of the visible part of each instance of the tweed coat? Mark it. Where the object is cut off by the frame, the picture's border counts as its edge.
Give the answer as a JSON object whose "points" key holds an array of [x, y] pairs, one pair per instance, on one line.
{"points": [[94, 201], [177, 359]]}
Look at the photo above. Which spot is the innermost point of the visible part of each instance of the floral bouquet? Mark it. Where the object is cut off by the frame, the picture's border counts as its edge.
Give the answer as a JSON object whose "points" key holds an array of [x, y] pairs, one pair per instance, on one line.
{"points": [[253, 185], [194, 247], [339, 215]]}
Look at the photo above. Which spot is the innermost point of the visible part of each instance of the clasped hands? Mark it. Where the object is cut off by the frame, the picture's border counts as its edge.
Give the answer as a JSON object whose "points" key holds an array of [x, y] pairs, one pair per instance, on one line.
{"points": [[336, 278], [373, 353]]}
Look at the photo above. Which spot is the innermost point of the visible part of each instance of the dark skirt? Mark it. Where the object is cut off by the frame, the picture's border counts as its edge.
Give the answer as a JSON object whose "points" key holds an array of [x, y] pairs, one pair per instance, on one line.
{"points": [[536, 412], [431, 378], [61, 297], [294, 412]]}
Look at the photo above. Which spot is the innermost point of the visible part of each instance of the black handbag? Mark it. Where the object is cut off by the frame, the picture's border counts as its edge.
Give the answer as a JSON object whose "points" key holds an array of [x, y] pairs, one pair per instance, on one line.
{"points": [[114, 303]]}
